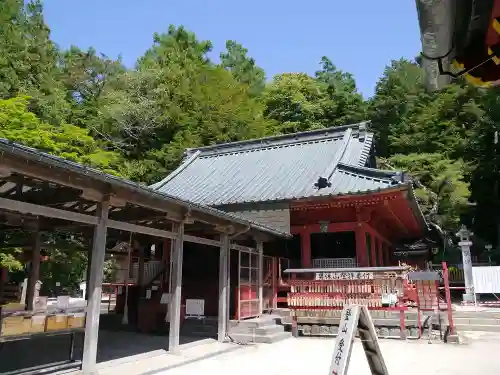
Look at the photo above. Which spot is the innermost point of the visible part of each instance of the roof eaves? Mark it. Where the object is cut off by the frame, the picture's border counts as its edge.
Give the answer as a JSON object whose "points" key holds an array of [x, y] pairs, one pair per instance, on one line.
{"points": [[189, 160], [42, 157], [396, 187], [416, 207]]}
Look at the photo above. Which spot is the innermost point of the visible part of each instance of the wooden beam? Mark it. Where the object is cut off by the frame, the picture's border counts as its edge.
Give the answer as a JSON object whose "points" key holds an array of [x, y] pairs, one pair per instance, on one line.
{"points": [[51, 196], [332, 228], [120, 225], [202, 241], [372, 229], [395, 217], [243, 248], [79, 181], [37, 210], [49, 173], [364, 215]]}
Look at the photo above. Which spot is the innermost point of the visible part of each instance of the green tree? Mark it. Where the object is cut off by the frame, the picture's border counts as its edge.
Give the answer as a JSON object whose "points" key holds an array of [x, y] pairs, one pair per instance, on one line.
{"points": [[296, 102], [243, 68], [68, 141], [176, 98], [397, 92], [87, 77], [442, 188], [484, 152], [28, 60], [346, 105]]}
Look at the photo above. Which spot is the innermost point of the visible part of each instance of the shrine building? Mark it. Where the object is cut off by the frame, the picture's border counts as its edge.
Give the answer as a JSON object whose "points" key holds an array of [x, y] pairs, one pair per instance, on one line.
{"points": [[322, 186]]}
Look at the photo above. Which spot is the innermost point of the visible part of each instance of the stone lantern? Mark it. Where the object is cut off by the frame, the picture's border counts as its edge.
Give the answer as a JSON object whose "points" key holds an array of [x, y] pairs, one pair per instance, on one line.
{"points": [[465, 244]]}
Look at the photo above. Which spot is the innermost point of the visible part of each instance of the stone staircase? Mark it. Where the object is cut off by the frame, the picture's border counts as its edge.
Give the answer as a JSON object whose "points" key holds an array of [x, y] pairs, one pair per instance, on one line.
{"points": [[265, 329], [479, 321]]}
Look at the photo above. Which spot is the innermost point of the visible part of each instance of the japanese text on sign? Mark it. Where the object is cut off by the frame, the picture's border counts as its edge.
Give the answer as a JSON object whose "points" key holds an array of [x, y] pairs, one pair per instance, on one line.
{"points": [[344, 276], [343, 343], [339, 350]]}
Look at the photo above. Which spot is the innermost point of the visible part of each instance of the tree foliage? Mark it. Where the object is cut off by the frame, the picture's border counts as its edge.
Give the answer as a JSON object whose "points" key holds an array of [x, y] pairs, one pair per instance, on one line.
{"points": [[136, 122]]}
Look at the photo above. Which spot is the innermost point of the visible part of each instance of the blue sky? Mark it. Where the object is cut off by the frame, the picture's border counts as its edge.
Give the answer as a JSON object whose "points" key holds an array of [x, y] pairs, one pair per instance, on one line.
{"points": [[282, 36]]}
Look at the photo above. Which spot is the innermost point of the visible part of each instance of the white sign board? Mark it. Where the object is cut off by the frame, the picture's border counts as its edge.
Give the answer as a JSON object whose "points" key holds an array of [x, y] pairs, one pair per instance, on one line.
{"points": [[486, 279], [355, 317], [344, 276], [195, 307]]}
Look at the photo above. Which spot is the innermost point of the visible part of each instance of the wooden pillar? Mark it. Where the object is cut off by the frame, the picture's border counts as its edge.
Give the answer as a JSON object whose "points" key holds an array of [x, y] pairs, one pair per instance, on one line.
{"points": [[95, 290], [276, 278], [384, 253], [361, 246], [175, 301], [87, 274], [166, 260], [34, 272], [260, 250], [140, 267], [373, 253], [222, 319], [380, 252], [305, 248]]}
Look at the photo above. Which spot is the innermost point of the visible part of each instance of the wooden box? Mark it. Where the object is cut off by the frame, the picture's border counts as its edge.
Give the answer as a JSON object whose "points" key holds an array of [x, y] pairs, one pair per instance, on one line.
{"points": [[76, 320], [15, 325], [57, 322], [38, 323]]}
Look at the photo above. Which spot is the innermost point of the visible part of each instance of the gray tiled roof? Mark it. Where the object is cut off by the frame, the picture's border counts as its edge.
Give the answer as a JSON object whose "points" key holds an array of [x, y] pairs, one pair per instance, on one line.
{"points": [[278, 168]]}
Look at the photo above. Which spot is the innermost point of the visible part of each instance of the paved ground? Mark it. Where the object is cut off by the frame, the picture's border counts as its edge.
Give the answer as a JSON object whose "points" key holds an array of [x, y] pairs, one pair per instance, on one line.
{"points": [[313, 355], [115, 342]]}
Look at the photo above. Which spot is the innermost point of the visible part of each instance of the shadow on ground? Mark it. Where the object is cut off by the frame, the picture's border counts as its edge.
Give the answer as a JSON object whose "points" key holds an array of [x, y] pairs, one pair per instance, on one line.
{"points": [[115, 341]]}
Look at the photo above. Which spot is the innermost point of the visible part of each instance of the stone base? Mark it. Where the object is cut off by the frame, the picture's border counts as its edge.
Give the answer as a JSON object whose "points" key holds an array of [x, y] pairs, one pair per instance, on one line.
{"points": [[454, 339], [468, 297]]}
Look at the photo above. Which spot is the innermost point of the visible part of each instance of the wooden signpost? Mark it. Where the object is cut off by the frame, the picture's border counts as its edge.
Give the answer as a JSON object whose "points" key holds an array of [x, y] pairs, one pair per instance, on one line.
{"points": [[355, 317]]}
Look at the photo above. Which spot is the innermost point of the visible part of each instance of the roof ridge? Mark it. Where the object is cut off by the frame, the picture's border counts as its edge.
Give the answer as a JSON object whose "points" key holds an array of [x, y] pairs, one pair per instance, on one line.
{"points": [[372, 172], [345, 142], [292, 138]]}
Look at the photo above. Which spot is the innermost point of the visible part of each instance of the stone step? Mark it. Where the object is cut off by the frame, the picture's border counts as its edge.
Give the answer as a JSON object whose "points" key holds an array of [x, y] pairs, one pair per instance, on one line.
{"points": [[476, 321], [265, 330], [478, 327], [263, 321], [269, 330], [265, 339], [477, 314], [376, 322]]}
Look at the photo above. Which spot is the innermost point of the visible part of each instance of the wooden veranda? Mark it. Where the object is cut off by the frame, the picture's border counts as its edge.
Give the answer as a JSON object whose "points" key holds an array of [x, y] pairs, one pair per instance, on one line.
{"points": [[43, 193]]}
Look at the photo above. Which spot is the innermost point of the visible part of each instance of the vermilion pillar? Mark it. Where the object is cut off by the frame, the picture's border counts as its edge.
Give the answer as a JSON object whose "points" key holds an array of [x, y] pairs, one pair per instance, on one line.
{"points": [[361, 246], [380, 247], [305, 247], [373, 252]]}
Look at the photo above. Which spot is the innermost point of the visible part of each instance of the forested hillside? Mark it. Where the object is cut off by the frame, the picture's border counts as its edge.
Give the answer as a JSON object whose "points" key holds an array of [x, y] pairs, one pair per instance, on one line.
{"points": [[135, 122]]}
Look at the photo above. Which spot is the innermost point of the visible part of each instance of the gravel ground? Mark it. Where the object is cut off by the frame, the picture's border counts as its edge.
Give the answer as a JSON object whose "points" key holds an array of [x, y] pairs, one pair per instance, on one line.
{"points": [[479, 355]]}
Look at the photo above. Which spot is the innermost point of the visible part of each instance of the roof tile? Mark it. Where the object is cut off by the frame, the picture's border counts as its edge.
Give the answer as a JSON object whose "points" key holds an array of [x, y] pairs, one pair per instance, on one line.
{"points": [[278, 168]]}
